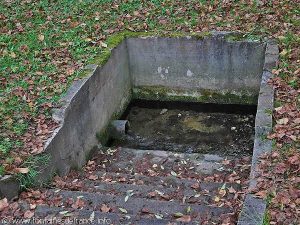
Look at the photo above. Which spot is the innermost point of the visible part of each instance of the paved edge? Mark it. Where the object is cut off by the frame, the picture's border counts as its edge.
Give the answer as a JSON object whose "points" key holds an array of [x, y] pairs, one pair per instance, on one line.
{"points": [[253, 210]]}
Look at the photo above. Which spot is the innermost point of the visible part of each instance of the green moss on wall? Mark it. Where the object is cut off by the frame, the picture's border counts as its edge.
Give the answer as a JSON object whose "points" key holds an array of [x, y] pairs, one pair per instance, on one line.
{"points": [[114, 40], [161, 93], [242, 37]]}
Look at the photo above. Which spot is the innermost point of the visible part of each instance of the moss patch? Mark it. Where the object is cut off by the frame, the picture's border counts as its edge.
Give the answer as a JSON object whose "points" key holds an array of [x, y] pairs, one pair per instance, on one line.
{"points": [[195, 123], [114, 40], [161, 93], [243, 37]]}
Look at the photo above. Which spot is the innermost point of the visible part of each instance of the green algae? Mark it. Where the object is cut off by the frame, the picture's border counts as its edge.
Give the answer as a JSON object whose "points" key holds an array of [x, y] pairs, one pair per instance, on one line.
{"points": [[195, 123], [162, 93], [234, 37], [116, 39]]}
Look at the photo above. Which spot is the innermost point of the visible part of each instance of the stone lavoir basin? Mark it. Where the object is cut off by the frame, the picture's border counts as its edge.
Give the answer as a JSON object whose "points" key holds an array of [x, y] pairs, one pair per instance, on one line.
{"points": [[198, 95], [188, 127]]}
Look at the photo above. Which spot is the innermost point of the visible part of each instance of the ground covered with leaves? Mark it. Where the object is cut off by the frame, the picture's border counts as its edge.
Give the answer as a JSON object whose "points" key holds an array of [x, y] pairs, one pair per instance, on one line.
{"points": [[44, 44], [141, 187]]}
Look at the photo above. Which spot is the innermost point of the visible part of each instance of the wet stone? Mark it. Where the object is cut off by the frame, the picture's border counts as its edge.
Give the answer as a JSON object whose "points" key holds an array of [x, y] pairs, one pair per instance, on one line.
{"points": [[215, 158]]}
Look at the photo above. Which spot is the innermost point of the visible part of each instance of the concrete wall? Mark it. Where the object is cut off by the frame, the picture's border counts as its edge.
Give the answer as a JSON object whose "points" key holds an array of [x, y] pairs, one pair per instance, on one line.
{"points": [[192, 64], [91, 104], [253, 210]]}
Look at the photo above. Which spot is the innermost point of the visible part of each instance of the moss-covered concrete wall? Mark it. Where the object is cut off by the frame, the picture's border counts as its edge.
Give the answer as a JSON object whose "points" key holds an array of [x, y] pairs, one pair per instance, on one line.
{"points": [[210, 69]]}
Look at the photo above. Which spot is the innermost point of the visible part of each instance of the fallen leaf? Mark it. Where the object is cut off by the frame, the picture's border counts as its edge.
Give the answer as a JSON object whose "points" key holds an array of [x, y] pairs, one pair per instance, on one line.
{"points": [[32, 206], [3, 204], [261, 194], [283, 121], [159, 216], [217, 199], [184, 218], [126, 198], [123, 210], [231, 190], [28, 214], [297, 120], [13, 55], [178, 214], [222, 192], [93, 177], [78, 204], [22, 170], [104, 208], [145, 210], [173, 173], [195, 185], [152, 194], [103, 44], [283, 52], [41, 37]]}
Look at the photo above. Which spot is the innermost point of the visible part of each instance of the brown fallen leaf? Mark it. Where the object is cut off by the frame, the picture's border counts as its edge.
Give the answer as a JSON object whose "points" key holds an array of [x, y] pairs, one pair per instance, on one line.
{"points": [[41, 37], [79, 203], [283, 121], [104, 208], [122, 179], [294, 160], [22, 170], [93, 177], [3, 204], [195, 186], [261, 194], [32, 206], [184, 218], [152, 194], [231, 190], [28, 214], [217, 199], [222, 192], [145, 210]]}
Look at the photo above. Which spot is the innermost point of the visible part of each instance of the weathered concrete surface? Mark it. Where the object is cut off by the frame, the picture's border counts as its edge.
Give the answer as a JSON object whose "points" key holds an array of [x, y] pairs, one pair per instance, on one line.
{"points": [[9, 187], [254, 209], [87, 109], [195, 65]]}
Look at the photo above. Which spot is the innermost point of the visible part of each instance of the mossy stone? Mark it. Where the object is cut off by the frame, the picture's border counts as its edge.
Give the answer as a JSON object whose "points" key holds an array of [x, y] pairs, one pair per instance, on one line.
{"points": [[161, 93]]}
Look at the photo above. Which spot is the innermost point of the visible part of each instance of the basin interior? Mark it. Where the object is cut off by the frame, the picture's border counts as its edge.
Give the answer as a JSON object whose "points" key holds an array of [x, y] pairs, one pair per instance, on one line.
{"points": [[189, 127], [210, 70]]}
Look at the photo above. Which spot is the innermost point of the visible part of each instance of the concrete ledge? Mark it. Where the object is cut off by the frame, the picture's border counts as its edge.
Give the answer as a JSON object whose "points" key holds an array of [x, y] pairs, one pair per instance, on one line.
{"points": [[253, 210], [9, 187]]}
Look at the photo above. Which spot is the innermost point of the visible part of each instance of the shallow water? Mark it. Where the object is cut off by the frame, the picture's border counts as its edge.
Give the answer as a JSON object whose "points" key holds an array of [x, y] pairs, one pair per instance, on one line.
{"points": [[190, 131]]}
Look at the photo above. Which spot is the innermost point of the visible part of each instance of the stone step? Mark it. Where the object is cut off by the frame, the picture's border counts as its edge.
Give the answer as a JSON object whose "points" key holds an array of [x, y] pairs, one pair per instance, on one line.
{"points": [[135, 205], [71, 216], [196, 192], [164, 182], [136, 160], [195, 157]]}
